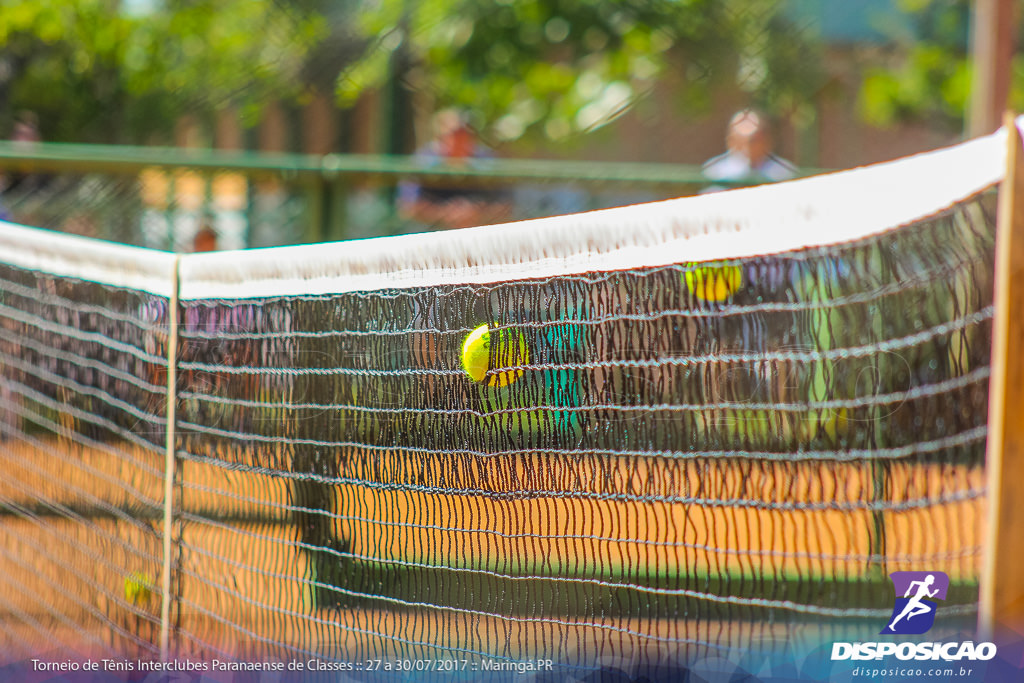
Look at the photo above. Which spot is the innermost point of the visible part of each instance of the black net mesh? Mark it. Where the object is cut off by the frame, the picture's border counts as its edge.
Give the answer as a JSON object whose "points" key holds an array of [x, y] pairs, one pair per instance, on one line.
{"points": [[671, 457], [654, 462], [82, 428]]}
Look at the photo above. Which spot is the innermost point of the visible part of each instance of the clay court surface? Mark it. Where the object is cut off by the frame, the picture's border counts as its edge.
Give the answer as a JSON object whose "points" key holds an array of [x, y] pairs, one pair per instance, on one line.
{"points": [[77, 521]]}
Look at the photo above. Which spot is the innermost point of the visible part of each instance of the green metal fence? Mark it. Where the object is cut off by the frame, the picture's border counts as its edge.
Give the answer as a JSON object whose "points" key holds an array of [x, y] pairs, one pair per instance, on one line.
{"points": [[161, 197]]}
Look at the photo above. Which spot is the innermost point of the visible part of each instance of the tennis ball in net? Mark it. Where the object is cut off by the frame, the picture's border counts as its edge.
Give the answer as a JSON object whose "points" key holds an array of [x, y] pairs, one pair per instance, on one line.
{"points": [[713, 283], [138, 588], [509, 351], [833, 424]]}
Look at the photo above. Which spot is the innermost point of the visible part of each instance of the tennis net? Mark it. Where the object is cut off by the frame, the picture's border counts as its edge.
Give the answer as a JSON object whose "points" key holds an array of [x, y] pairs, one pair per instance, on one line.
{"points": [[694, 424]]}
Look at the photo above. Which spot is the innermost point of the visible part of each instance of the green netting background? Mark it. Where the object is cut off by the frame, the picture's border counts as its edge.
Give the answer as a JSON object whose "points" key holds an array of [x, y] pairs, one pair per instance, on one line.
{"points": [[666, 474]]}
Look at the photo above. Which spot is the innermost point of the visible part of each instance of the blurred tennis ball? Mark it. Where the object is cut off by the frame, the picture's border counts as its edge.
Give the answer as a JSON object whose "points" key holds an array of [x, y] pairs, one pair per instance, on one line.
{"points": [[836, 424], [510, 350], [833, 424], [138, 588], [713, 283]]}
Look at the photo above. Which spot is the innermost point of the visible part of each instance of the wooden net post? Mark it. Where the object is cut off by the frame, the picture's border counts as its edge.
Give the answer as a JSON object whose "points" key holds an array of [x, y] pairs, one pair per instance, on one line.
{"points": [[169, 473], [1002, 578]]}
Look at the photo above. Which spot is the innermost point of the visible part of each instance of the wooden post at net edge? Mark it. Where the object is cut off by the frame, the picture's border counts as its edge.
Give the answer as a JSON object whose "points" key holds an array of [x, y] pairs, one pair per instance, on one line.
{"points": [[1002, 578]]}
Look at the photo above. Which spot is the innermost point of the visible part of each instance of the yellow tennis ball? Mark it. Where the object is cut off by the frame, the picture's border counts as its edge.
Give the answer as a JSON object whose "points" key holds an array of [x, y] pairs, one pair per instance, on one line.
{"points": [[138, 588], [510, 350], [713, 283], [836, 424], [833, 424]]}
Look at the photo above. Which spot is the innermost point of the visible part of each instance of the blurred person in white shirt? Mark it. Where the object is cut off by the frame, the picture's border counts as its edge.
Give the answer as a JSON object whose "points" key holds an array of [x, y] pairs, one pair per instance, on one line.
{"points": [[749, 159]]}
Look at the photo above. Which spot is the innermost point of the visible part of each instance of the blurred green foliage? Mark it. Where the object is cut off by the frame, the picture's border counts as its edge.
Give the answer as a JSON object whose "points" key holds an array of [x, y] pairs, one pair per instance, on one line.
{"points": [[122, 71], [556, 68], [928, 75], [97, 71]]}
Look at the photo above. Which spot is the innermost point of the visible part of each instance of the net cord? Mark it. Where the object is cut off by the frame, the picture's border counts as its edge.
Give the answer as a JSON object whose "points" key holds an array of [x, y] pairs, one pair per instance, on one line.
{"points": [[87, 259]]}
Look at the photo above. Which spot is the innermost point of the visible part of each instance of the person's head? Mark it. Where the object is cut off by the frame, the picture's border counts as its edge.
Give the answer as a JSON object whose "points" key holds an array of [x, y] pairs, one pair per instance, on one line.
{"points": [[205, 239], [748, 135], [455, 138], [26, 127]]}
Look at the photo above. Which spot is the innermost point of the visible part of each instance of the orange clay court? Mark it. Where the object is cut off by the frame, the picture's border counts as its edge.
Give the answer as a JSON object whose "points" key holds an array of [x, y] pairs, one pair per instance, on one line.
{"points": [[243, 577]]}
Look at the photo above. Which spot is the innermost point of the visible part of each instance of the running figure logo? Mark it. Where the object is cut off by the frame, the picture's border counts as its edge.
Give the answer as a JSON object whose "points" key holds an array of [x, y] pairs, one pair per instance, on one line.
{"points": [[914, 611]]}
